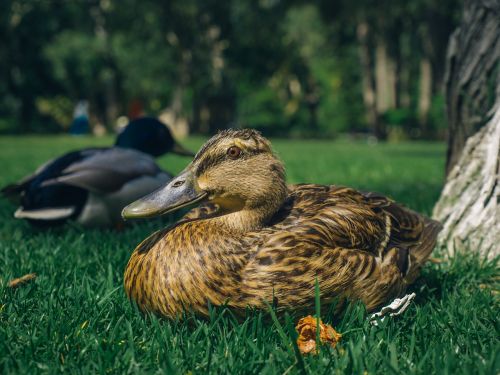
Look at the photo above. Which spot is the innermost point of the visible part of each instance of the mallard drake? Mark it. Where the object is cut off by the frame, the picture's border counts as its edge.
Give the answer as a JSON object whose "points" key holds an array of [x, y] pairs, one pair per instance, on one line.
{"points": [[254, 240], [93, 185]]}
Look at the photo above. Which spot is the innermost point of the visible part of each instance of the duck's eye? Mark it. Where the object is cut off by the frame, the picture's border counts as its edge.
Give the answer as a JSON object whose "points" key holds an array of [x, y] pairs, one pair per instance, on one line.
{"points": [[233, 152]]}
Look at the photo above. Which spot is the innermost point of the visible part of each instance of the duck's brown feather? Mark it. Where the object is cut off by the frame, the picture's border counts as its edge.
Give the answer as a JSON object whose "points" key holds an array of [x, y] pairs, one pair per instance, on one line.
{"points": [[360, 246]]}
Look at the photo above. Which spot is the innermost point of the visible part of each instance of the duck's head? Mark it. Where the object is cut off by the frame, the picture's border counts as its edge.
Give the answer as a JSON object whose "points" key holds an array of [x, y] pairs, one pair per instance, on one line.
{"points": [[235, 169], [150, 136]]}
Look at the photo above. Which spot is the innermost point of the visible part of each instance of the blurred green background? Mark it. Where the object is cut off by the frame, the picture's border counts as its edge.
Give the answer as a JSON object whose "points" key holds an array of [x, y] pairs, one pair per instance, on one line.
{"points": [[289, 68]]}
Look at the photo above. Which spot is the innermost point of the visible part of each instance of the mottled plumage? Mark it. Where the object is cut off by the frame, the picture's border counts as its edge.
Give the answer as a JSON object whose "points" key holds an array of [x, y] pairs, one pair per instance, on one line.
{"points": [[257, 240]]}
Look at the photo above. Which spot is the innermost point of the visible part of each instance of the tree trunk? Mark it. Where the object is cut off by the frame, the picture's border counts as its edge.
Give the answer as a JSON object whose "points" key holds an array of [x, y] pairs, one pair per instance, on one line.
{"points": [[424, 95], [385, 85], [385, 78], [367, 76], [469, 204], [471, 77], [174, 115], [311, 99]]}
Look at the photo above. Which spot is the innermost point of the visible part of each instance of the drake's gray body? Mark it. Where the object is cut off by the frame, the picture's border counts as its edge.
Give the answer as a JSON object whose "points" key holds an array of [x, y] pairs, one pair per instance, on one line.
{"points": [[111, 177], [134, 173], [91, 186]]}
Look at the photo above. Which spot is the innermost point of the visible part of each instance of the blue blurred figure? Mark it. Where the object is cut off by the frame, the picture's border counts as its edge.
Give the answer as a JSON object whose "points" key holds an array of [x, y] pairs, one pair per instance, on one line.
{"points": [[80, 124]]}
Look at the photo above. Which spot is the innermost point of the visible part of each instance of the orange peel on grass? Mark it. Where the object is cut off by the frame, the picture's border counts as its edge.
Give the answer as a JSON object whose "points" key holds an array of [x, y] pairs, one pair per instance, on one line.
{"points": [[22, 280], [307, 329]]}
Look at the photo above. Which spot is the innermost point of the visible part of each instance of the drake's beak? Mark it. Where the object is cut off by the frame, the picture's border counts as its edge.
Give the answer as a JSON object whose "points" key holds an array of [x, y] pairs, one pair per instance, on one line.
{"points": [[180, 192], [180, 150]]}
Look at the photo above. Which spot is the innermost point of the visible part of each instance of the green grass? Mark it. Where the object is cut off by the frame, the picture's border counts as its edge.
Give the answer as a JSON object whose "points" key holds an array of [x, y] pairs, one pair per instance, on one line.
{"points": [[75, 317]]}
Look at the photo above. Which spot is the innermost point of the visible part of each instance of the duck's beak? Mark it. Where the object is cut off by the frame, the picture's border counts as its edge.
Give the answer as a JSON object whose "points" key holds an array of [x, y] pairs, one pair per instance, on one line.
{"points": [[180, 150], [179, 192]]}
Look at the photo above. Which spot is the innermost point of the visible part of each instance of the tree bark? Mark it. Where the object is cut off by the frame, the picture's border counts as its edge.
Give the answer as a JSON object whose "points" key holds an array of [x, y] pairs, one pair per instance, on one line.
{"points": [[367, 76], [424, 95], [385, 85], [469, 203], [471, 78], [385, 78]]}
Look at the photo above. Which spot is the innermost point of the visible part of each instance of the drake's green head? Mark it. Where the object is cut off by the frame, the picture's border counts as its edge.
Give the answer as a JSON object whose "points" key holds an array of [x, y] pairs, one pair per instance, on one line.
{"points": [[151, 136]]}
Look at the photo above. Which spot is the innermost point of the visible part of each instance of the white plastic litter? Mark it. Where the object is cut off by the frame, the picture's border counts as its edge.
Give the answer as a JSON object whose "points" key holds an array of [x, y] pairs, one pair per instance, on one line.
{"points": [[396, 307]]}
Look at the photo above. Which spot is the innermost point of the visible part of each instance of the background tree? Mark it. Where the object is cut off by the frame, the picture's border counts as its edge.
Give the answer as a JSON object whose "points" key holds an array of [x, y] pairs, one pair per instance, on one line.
{"points": [[469, 204]]}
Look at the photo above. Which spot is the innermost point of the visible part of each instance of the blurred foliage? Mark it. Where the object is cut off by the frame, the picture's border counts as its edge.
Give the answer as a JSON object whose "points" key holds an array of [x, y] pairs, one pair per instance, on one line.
{"points": [[291, 68], [60, 108]]}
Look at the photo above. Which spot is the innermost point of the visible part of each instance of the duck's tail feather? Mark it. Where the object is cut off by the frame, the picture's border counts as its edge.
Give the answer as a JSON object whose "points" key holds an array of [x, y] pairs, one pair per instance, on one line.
{"points": [[49, 213], [13, 191], [420, 252]]}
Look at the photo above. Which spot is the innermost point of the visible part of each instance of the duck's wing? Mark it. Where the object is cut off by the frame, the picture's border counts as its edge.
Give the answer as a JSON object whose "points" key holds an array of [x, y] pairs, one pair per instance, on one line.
{"points": [[46, 172], [51, 170], [344, 217], [357, 245], [54, 203], [410, 236], [107, 171], [113, 176], [333, 216]]}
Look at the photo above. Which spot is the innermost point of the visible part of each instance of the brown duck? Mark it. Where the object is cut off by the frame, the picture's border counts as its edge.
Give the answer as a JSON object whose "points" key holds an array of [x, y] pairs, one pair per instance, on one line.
{"points": [[254, 240]]}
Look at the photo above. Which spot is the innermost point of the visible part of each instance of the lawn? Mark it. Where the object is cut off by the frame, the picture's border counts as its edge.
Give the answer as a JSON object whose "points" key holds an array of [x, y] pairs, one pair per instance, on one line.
{"points": [[76, 318]]}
